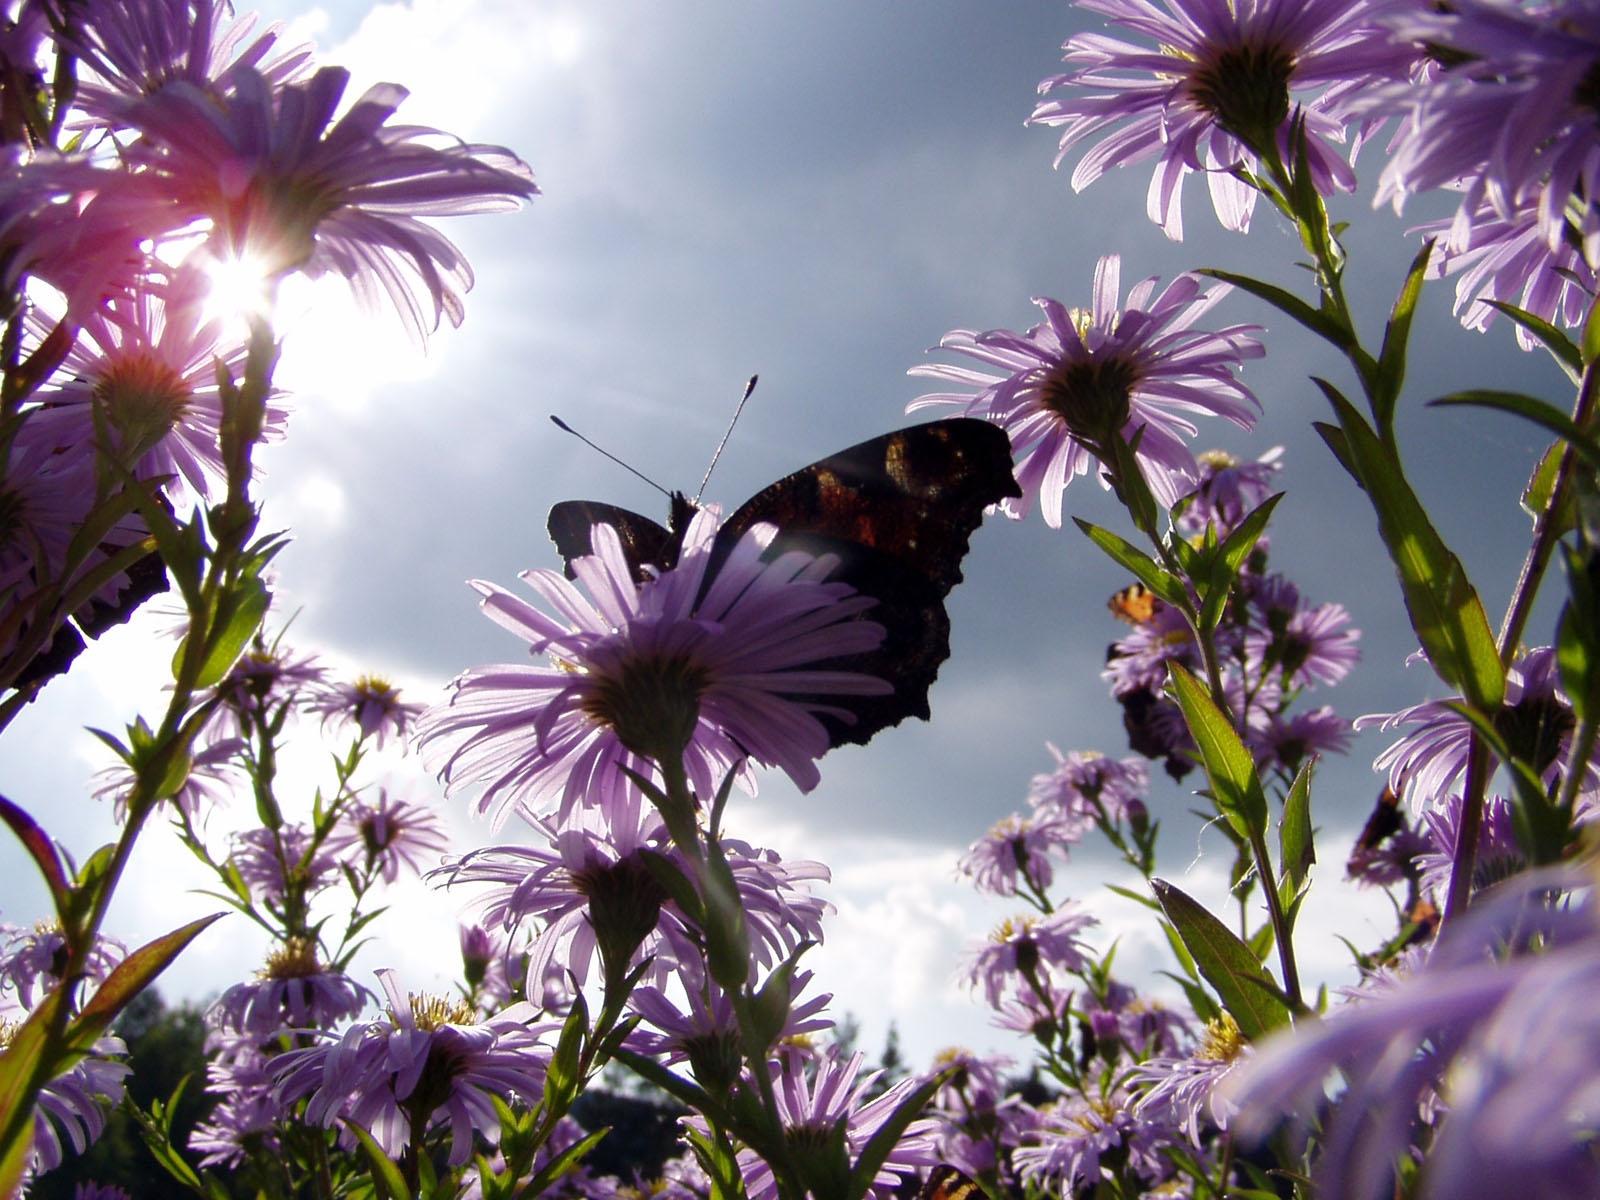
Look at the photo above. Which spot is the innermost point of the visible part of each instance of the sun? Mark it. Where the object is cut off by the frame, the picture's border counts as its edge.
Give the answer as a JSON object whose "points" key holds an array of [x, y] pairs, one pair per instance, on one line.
{"points": [[241, 288]]}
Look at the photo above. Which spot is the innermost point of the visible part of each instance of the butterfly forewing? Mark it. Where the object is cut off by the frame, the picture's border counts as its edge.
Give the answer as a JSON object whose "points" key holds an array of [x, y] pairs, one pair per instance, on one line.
{"points": [[644, 542]]}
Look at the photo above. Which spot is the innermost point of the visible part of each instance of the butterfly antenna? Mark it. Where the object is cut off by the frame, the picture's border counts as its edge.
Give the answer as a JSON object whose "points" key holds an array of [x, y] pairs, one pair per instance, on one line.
{"points": [[565, 428], [748, 388]]}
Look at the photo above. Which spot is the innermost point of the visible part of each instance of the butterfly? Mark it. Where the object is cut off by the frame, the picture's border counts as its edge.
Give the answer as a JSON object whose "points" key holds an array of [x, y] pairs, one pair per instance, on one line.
{"points": [[945, 1182], [1135, 604], [897, 511]]}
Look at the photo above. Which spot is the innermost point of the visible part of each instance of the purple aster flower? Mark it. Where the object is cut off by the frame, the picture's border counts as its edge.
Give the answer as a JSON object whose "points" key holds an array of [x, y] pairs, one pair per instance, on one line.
{"points": [[703, 1030], [424, 1056], [1064, 1152], [1138, 662], [1511, 1044], [1182, 1089], [244, 1120], [1018, 846], [215, 774], [293, 991], [73, 1105], [1039, 1016], [1077, 379], [136, 47], [1027, 947], [1215, 90], [1142, 1023], [1512, 115], [285, 184], [1086, 785], [716, 668], [831, 1096], [1427, 764], [99, 1191], [1498, 855], [1312, 647], [1229, 490], [263, 679], [1289, 741], [1509, 259], [592, 892], [274, 862], [390, 834], [32, 960], [371, 704], [146, 364]]}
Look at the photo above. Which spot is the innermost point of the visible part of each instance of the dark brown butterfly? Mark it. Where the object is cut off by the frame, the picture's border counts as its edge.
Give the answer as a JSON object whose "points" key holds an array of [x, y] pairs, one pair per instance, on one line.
{"points": [[950, 1183], [1382, 822], [897, 511], [1135, 604]]}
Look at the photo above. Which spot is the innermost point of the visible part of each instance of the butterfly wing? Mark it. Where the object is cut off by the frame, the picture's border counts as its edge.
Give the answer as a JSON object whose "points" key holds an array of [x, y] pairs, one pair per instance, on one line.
{"points": [[946, 1182], [644, 542], [898, 511]]}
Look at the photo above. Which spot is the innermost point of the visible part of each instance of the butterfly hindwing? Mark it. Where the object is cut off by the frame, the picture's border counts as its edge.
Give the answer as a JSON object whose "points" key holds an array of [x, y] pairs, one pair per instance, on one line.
{"points": [[898, 512], [946, 1182]]}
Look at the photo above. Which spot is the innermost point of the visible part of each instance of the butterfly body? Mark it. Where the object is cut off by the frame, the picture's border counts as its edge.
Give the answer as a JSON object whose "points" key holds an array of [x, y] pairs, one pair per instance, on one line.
{"points": [[897, 511]]}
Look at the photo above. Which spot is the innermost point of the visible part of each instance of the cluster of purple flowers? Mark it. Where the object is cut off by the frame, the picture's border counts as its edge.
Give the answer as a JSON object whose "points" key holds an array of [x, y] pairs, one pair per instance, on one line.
{"points": [[195, 144]]}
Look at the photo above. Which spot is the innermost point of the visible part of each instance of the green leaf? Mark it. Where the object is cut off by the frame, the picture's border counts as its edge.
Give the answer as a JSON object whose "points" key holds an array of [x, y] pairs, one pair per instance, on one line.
{"points": [[1229, 557], [1444, 608], [240, 614], [1333, 437], [1235, 786], [1296, 849], [131, 976], [1145, 569], [1391, 371], [1228, 965], [387, 1180], [562, 1077], [1578, 638], [18, 1064], [1530, 408], [1561, 347], [876, 1151], [562, 1165], [1286, 302], [1130, 894], [676, 1086], [726, 931], [43, 852], [1590, 342], [1541, 490]]}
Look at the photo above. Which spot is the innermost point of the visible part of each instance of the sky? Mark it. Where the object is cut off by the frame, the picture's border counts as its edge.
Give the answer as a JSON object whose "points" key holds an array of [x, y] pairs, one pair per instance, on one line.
{"points": [[815, 193]]}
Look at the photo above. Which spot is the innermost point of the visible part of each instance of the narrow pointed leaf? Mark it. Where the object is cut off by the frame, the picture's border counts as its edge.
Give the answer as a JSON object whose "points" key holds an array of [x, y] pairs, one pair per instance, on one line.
{"points": [[387, 1181], [1391, 370], [131, 976], [244, 610], [1529, 408], [876, 1151], [1228, 965], [1235, 785], [1286, 302], [1558, 343], [562, 1165], [1145, 569], [1296, 851], [1445, 611], [42, 850]]}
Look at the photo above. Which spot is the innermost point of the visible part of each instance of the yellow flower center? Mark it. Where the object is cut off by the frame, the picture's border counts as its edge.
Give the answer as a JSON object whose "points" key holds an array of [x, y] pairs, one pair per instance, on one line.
{"points": [[434, 1012], [1222, 1041], [295, 959]]}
